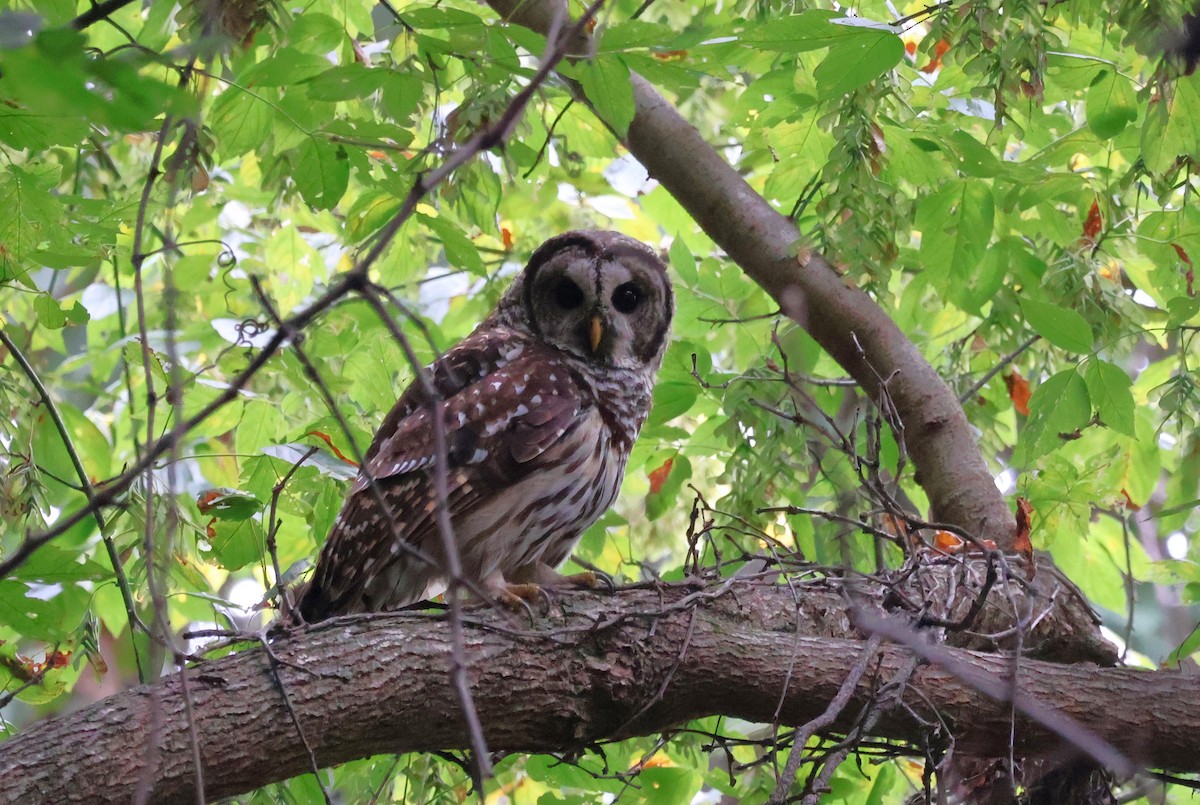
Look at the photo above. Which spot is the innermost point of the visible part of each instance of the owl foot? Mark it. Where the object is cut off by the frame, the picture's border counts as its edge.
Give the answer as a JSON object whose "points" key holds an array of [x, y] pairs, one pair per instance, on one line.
{"points": [[549, 579], [588, 580], [515, 596], [522, 595]]}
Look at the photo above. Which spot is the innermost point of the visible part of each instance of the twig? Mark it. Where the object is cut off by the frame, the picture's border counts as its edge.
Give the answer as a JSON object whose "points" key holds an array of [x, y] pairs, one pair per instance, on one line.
{"points": [[832, 711], [273, 529], [970, 393], [89, 492], [160, 631], [193, 738], [869, 719], [1062, 725], [275, 663], [97, 12]]}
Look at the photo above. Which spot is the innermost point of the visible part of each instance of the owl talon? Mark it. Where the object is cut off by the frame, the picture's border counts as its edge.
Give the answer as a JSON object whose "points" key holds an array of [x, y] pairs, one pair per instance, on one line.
{"points": [[521, 596], [606, 581], [588, 580]]}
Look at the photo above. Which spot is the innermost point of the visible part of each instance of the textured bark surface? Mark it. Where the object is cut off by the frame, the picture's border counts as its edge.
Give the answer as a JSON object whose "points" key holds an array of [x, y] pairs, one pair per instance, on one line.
{"points": [[590, 670], [846, 322]]}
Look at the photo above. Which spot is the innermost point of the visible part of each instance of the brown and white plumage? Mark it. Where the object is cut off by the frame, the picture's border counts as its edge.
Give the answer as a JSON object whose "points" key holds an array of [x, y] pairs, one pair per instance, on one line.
{"points": [[540, 407]]}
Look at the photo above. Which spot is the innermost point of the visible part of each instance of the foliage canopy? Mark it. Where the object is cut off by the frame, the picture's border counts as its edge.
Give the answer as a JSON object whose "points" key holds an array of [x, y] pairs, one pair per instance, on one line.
{"points": [[1013, 182]]}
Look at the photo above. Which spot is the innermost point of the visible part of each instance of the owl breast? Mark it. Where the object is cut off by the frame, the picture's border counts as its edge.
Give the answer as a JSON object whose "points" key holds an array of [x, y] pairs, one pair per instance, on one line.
{"points": [[539, 508], [543, 514]]}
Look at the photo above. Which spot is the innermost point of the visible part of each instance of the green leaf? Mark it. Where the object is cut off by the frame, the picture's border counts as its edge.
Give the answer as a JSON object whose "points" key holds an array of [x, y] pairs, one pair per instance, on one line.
{"points": [[229, 504], [285, 67], [683, 262], [460, 251], [434, 18], [671, 400], [34, 617], [1189, 646], [808, 30], [1108, 386], [857, 61], [1057, 408], [235, 543], [606, 83], [1062, 327], [344, 83], [54, 316], [240, 121], [667, 786], [30, 215], [1111, 104], [321, 172], [1172, 127], [48, 312], [258, 428], [401, 95], [51, 564], [956, 226], [974, 158], [316, 33]]}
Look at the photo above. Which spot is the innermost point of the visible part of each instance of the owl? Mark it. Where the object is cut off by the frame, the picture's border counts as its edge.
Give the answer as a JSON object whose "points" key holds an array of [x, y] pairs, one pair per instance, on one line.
{"points": [[540, 407]]}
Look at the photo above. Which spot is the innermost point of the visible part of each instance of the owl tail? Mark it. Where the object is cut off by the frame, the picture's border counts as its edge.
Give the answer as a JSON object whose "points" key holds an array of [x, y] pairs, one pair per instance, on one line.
{"points": [[310, 605]]}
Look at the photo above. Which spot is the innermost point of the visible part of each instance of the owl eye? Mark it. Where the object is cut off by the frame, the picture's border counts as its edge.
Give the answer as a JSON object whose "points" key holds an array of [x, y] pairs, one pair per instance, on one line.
{"points": [[567, 294], [627, 297]]}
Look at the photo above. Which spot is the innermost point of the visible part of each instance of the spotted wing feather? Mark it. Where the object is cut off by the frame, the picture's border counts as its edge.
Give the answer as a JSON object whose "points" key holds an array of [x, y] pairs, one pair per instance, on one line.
{"points": [[500, 411]]}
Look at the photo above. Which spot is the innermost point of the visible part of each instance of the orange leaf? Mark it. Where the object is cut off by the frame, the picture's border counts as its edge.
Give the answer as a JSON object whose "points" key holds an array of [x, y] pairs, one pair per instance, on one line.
{"points": [[1182, 254], [1018, 391], [205, 500], [1021, 542], [896, 526], [1129, 504], [946, 542], [658, 477], [657, 761], [1190, 274], [57, 659], [939, 50], [506, 237], [1094, 222], [910, 48], [325, 438]]}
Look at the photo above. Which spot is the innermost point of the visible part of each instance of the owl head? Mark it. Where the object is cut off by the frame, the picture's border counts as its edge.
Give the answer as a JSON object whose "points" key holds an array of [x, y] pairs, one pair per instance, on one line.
{"points": [[600, 296]]}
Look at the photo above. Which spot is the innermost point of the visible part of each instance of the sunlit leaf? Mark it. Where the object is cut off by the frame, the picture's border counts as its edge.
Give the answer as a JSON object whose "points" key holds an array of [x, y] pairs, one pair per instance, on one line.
{"points": [[1111, 104], [321, 172], [1059, 325], [1108, 387], [606, 82], [1058, 407], [856, 61]]}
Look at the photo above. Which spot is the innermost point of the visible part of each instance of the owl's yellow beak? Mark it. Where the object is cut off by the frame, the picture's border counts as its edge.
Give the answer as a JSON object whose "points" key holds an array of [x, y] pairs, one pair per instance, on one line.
{"points": [[596, 331]]}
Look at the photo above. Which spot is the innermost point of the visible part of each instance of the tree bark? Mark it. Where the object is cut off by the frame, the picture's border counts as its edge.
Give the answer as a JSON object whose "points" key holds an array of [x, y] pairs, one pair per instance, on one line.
{"points": [[846, 322], [594, 669]]}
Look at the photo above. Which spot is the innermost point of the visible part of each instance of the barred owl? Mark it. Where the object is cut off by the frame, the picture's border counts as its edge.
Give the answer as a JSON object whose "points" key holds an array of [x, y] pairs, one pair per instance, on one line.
{"points": [[540, 407]]}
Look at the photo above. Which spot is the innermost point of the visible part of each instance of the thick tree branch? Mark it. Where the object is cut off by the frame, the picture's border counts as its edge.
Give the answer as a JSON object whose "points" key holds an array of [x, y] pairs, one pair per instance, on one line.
{"points": [[592, 670], [841, 318]]}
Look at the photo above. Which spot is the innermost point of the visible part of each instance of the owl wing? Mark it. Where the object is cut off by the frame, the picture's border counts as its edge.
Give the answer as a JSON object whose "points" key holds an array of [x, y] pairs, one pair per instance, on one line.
{"points": [[502, 405]]}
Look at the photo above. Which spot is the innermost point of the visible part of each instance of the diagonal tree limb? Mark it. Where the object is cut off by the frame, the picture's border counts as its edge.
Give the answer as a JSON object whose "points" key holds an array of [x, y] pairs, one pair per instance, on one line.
{"points": [[811, 292]]}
